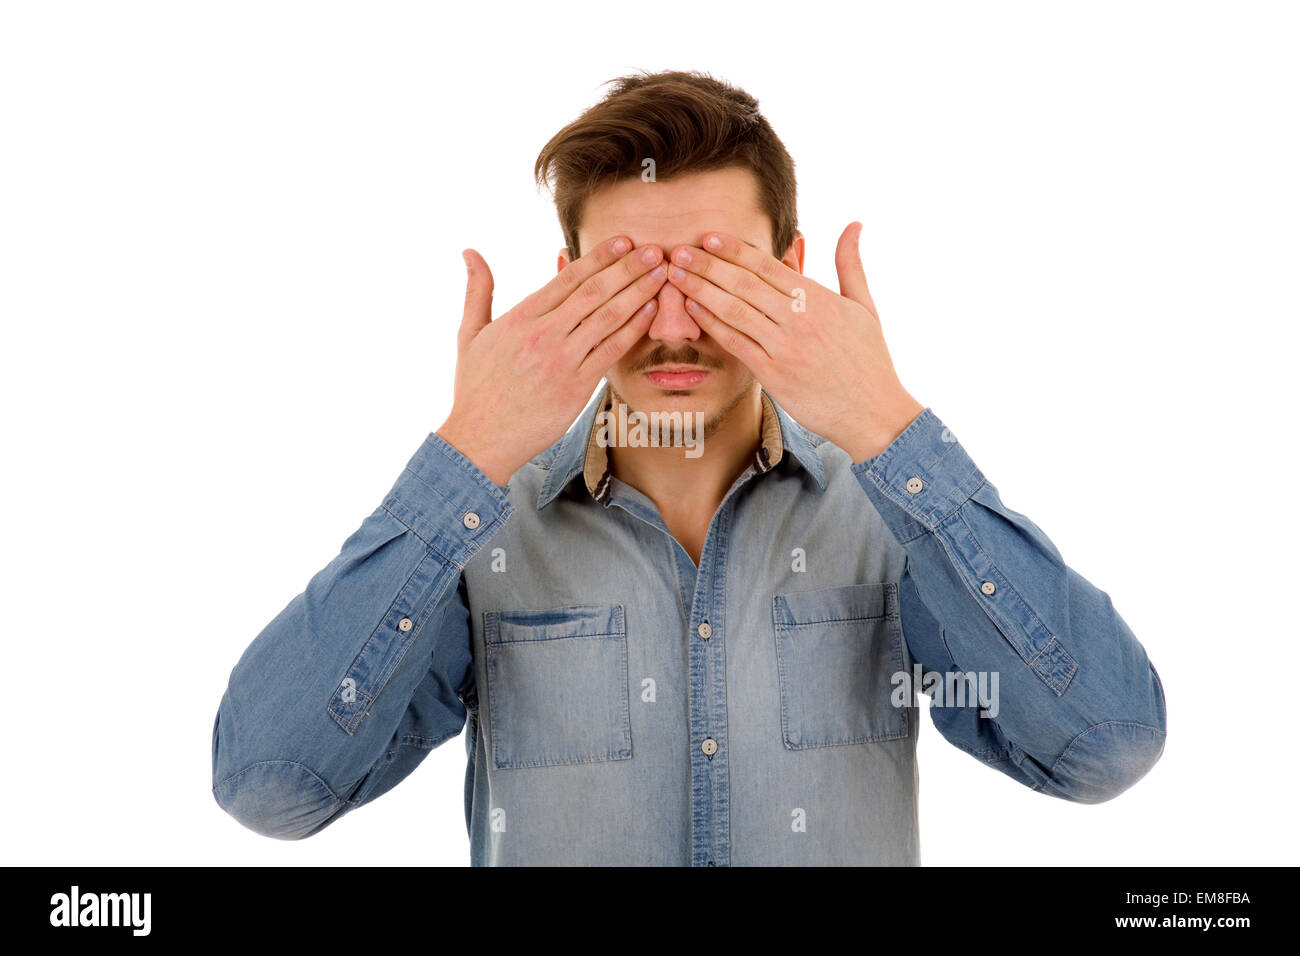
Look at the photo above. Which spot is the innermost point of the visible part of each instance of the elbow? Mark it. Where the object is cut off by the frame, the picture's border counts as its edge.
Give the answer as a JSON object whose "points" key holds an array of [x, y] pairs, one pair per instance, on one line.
{"points": [[1105, 760], [1111, 756], [278, 798]]}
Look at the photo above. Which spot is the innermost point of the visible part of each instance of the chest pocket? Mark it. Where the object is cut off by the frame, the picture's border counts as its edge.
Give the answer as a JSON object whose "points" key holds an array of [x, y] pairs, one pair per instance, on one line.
{"points": [[557, 686], [837, 650]]}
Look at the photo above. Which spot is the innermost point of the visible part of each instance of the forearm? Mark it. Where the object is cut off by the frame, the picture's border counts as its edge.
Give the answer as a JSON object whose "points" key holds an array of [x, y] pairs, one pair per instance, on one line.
{"points": [[1081, 712], [370, 658]]}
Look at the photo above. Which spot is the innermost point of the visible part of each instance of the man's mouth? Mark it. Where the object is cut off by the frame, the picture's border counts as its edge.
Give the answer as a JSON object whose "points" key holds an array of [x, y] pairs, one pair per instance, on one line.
{"points": [[676, 376]]}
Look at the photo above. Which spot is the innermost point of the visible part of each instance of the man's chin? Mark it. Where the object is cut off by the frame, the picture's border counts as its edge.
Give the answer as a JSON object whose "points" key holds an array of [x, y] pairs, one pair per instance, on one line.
{"points": [[653, 399], [708, 401], [676, 395]]}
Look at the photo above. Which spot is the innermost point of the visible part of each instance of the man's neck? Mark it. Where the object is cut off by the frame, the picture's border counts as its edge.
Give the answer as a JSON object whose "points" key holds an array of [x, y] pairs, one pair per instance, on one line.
{"points": [[683, 486]]}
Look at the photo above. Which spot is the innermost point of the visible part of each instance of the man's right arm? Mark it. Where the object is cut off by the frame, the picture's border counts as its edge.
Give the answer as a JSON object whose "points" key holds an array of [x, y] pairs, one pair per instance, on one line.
{"points": [[345, 691], [343, 694]]}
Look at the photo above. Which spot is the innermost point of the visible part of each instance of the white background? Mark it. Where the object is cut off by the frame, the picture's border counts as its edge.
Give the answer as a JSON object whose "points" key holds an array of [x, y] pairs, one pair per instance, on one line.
{"points": [[230, 279]]}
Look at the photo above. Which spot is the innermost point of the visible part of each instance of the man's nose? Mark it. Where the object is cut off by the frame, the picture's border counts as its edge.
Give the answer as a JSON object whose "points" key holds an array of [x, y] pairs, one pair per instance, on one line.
{"points": [[672, 323]]}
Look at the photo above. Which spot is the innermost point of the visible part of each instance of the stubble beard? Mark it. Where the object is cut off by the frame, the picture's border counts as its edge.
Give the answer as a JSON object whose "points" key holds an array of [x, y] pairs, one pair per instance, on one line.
{"points": [[711, 423]]}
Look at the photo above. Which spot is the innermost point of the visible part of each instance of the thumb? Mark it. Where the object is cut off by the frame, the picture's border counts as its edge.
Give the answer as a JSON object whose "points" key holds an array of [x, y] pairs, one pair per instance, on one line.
{"points": [[848, 265], [478, 296]]}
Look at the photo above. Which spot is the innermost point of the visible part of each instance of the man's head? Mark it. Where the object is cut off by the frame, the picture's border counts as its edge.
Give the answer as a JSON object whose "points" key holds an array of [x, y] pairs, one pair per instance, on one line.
{"points": [[664, 159]]}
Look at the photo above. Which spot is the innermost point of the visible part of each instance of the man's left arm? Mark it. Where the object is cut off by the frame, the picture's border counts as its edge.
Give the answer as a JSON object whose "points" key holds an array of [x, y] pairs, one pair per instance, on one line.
{"points": [[1080, 712]]}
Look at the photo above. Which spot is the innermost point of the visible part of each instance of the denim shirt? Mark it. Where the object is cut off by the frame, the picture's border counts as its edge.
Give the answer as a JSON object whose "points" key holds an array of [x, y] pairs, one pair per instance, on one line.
{"points": [[624, 706]]}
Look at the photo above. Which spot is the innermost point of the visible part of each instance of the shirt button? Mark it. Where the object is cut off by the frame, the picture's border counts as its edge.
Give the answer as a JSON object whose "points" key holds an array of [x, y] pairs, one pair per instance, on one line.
{"points": [[704, 630], [470, 520], [914, 485], [988, 587], [404, 624], [710, 746]]}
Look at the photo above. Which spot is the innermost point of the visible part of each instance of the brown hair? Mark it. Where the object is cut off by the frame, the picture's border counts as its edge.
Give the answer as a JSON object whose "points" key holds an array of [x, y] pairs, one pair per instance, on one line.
{"points": [[686, 122]]}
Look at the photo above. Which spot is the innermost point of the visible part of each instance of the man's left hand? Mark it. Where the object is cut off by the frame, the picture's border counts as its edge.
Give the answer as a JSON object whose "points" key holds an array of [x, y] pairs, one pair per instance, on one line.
{"points": [[821, 356]]}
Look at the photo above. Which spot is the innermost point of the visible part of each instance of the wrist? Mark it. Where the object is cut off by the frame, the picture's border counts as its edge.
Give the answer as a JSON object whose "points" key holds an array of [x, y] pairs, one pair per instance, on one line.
{"points": [[481, 455], [879, 433]]}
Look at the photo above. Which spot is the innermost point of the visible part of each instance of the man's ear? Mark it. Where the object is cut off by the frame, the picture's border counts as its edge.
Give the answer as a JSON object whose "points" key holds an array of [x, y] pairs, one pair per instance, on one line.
{"points": [[794, 255], [562, 260]]}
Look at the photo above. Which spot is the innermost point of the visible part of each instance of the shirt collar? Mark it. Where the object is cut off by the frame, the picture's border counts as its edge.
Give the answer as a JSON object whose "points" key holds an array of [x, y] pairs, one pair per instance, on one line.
{"points": [[578, 452]]}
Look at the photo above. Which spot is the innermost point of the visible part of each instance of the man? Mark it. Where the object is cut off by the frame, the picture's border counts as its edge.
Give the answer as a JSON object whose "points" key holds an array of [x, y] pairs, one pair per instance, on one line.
{"points": [[689, 630]]}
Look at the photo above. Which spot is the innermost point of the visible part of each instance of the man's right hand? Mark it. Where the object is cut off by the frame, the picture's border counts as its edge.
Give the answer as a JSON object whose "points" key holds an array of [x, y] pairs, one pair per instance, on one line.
{"points": [[523, 379]]}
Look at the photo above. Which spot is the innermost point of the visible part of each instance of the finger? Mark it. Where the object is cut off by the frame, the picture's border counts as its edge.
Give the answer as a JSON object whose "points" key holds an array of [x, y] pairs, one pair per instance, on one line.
{"points": [[768, 268], [848, 264], [615, 345], [574, 274], [597, 291], [739, 280], [737, 313], [610, 316], [478, 297], [753, 355]]}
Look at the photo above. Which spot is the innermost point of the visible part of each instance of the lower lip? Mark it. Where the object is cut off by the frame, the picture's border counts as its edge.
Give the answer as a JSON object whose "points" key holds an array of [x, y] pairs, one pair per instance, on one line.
{"points": [[676, 379]]}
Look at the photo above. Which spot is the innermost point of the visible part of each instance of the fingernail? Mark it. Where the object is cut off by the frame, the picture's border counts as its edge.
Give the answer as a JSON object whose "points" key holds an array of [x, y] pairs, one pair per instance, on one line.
{"points": [[676, 274], [682, 256], [650, 255], [659, 272], [621, 246], [713, 242]]}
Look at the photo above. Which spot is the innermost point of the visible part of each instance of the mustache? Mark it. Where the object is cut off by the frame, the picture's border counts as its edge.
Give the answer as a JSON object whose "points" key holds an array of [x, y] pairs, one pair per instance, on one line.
{"points": [[663, 355]]}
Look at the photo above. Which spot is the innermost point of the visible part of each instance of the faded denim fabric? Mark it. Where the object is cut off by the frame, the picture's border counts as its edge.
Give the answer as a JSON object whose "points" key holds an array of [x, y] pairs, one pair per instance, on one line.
{"points": [[623, 706]]}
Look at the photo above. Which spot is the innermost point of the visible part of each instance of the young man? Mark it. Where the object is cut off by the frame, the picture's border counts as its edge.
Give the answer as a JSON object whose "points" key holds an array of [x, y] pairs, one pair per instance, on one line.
{"points": [[702, 650]]}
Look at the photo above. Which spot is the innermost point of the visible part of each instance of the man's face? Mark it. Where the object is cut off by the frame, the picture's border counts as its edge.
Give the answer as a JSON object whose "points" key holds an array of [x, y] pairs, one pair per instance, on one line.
{"points": [[705, 378]]}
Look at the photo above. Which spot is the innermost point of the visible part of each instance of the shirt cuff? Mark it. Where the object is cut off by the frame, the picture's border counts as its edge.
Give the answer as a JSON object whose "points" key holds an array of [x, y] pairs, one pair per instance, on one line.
{"points": [[920, 479], [447, 501]]}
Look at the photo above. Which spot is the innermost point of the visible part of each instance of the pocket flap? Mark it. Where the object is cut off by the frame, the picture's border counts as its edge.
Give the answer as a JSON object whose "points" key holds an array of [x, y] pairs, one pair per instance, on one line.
{"points": [[575, 620], [853, 602]]}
